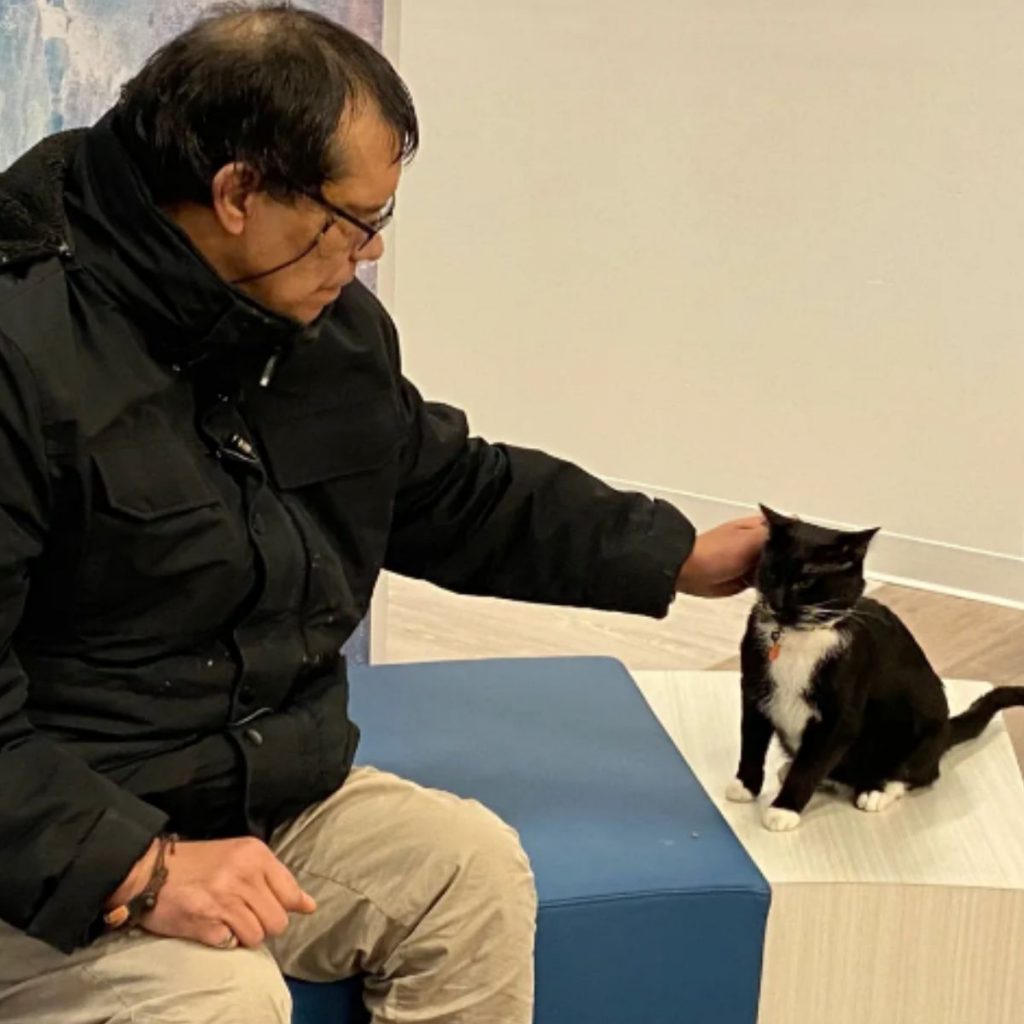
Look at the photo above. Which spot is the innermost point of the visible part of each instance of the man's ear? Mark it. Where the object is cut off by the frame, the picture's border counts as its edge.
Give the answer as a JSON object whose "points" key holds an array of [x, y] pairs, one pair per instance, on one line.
{"points": [[231, 196]]}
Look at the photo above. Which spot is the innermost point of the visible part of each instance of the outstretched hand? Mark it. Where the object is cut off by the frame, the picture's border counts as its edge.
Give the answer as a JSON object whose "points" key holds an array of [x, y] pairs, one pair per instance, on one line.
{"points": [[724, 559]]}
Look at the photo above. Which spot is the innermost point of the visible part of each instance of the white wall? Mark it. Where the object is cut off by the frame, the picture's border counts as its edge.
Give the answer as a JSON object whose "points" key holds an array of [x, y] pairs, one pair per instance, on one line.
{"points": [[746, 250]]}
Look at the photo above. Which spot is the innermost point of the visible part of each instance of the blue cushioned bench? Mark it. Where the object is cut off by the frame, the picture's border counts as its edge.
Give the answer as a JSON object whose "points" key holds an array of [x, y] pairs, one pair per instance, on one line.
{"points": [[650, 910]]}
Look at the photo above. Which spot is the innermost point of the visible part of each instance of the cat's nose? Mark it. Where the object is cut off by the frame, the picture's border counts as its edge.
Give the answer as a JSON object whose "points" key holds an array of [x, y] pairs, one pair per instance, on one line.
{"points": [[781, 604]]}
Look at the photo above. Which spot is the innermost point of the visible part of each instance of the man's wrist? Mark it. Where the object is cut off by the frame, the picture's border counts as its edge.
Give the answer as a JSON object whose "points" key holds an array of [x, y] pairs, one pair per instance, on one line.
{"points": [[135, 881], [690, 571]]}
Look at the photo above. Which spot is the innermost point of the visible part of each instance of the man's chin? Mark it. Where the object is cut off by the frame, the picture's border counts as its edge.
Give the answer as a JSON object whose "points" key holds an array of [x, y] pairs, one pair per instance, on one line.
{"points": [[312, 311], [313, 308]]}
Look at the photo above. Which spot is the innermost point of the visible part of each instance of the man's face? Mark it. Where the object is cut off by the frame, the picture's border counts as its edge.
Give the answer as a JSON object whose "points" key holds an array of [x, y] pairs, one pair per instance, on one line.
{"points": [[277, 231]]}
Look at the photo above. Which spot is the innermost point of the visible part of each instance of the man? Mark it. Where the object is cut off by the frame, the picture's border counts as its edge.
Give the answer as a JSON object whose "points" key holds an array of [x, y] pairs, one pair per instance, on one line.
{"points": [[207, 454]]}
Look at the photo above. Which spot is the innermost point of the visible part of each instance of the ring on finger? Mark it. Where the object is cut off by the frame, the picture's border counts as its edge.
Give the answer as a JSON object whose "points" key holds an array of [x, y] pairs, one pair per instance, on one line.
{"points": [[230, 941]]}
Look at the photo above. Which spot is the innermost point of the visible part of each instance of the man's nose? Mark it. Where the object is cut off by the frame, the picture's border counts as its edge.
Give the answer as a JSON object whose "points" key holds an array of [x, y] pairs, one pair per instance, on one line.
{"points": [[372, 251]]}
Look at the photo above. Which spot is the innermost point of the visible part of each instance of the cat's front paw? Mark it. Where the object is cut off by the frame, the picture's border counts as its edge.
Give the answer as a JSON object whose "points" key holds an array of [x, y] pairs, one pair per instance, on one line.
{"points": [[876, 800], [778, 819], [738, 793]]}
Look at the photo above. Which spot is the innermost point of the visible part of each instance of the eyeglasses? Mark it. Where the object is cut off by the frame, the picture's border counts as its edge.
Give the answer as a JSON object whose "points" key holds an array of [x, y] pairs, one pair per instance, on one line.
{"points": [[369, 230], [335, 214]]}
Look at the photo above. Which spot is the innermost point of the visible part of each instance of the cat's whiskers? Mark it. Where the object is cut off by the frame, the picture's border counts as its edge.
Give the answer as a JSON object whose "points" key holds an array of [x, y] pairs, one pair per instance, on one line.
{"points": [[819, 622], [822, 615], [864, 615]]}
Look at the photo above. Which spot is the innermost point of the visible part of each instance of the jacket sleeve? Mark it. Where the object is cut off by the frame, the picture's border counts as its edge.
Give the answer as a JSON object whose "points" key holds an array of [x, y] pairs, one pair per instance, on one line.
{"points": [[68, 836], [492, 519]]}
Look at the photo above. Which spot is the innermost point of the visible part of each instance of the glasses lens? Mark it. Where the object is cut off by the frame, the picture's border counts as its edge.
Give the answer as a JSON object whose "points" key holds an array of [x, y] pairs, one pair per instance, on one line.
{"points": [[383, 219]]}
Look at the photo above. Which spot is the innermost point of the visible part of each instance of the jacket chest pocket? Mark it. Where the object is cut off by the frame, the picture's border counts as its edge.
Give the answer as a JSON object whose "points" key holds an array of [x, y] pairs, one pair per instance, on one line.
{"points": [[337, 469], [309, 448], [161, 543], [152, 483]]}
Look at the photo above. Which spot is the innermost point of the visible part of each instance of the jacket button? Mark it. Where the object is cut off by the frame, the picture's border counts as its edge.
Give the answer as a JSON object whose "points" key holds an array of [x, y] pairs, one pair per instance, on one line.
{"points": [[253, 737]]}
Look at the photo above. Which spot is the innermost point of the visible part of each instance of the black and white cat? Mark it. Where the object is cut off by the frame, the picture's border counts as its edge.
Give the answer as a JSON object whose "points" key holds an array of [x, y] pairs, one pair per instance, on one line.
{"points": [[840, 680]]}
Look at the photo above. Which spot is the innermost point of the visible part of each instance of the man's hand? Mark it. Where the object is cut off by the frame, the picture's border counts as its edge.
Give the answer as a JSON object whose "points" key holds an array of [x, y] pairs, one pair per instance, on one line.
{"points": [[219, 889], [723, 560]]}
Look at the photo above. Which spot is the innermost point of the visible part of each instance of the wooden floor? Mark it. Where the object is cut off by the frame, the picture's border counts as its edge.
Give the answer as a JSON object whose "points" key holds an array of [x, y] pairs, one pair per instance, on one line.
{"points": [[964, 639]]}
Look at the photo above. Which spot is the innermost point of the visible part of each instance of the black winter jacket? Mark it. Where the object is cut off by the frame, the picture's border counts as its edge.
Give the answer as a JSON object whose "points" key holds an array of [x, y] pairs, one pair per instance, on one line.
{"points": [[183, 551]]}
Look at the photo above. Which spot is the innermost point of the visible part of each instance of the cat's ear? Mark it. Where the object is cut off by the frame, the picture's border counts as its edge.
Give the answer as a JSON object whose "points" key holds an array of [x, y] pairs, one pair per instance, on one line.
{"points": [[775, 519], [860, 542]]}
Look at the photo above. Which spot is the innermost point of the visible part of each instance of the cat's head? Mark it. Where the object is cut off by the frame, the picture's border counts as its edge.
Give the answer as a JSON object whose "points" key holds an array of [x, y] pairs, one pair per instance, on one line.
{"points": [[810, 575]]}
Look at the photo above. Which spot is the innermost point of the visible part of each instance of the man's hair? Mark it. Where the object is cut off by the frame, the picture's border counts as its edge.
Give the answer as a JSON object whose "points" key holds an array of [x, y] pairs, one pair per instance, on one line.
{"points": [[264, 85]]}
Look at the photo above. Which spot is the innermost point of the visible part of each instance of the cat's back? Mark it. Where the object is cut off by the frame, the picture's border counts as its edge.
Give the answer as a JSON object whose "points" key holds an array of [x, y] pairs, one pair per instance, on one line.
{"points": [[881, 615], [877, 622], [888, 655]]}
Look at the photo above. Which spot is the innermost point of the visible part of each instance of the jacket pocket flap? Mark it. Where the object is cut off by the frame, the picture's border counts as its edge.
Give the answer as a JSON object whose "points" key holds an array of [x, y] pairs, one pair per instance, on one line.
{"points": [[328, 444], [152, 481]]}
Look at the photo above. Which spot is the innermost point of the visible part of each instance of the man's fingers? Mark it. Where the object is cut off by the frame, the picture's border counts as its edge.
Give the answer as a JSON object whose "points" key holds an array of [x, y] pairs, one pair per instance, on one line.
{"points": [[265, 905], [288, 891], [241, 919], [235, 919], [216, 934], [751, 523]]}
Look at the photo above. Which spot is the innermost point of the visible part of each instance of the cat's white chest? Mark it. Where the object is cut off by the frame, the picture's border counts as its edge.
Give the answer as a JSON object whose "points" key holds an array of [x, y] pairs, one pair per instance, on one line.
{"points": [[791, 673]]}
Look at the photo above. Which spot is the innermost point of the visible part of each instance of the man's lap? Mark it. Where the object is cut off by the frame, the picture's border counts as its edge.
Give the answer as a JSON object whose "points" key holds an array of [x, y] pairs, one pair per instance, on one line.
{"points": [[377, 856]]}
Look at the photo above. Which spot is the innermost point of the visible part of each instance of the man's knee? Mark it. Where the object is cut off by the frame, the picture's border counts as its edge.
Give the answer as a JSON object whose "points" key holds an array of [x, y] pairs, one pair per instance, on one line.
{"points": [[492, 871], [211, 986], [468, 952], [126, 978], [260, 987]]}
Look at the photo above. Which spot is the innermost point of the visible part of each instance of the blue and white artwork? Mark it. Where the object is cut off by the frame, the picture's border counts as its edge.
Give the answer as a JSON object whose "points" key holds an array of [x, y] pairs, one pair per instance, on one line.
{"points": [[63, 62]]}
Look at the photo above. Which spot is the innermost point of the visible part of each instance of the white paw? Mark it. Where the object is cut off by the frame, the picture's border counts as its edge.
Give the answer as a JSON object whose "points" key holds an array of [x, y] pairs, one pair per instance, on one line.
{"points": [[878, 800], [778, 819], [738, 793]]}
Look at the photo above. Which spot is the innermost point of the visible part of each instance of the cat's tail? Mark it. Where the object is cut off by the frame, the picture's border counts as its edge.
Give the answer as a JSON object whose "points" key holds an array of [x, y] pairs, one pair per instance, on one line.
{"points": [[973, 721]]}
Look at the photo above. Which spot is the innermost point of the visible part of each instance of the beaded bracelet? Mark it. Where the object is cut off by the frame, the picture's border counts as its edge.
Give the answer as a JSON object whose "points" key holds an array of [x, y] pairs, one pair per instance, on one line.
{"points": [[130, 913]]}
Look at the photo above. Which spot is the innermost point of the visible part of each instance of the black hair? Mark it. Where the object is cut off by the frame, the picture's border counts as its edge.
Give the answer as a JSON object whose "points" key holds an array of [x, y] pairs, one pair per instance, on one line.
{"points": [[264, 85]]}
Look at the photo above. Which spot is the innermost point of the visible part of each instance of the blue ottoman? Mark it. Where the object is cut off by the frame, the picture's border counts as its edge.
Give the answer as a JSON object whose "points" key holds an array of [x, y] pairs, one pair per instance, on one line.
{"points": [[650, 910]]}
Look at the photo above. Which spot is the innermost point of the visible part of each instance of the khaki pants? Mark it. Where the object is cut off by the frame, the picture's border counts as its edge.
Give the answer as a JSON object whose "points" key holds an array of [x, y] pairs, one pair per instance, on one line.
{"points": [[429, 894]]}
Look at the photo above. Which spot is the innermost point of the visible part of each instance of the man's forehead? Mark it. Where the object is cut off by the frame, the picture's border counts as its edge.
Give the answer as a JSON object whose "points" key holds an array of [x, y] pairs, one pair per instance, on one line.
{"points": [[371, 161], [360, 194], [366, 138]]}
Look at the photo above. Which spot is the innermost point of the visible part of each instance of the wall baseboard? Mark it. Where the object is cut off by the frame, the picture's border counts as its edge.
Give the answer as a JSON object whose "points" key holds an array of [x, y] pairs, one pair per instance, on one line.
{"points": [[905, 561]]}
